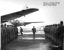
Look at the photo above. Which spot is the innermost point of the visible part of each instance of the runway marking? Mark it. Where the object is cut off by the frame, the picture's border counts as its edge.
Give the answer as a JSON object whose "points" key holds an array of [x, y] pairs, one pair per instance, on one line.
{"points": [[39, 38]]}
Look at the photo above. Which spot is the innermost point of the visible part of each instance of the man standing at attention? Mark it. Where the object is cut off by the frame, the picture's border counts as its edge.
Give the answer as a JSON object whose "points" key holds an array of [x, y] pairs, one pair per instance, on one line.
{"points": [[60, 35], [34, 31]]}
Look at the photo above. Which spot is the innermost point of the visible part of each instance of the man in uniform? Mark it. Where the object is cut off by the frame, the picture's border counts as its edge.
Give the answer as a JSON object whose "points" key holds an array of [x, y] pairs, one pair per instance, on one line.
{"points": [[21, 31], [34, 31], [60, 34]]}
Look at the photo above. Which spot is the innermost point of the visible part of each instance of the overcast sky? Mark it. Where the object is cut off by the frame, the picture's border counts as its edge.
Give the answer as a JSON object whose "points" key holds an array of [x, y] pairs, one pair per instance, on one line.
{"points": [[48, 14]]}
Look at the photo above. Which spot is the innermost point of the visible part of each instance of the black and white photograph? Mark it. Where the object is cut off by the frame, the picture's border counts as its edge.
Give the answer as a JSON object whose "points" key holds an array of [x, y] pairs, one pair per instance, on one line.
{"points": [[32, 25]]}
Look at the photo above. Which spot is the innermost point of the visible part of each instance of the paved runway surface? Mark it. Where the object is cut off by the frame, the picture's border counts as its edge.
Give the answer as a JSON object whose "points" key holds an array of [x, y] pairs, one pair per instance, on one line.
{"points": [[26, 42]]}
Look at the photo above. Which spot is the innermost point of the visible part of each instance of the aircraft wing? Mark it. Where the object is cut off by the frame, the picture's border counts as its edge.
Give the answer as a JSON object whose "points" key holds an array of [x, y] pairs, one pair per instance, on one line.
{"points": [[24, 23], [17, 14]]}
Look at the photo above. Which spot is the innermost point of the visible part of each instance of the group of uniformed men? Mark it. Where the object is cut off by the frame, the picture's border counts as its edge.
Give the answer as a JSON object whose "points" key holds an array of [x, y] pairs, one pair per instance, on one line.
{"points": [[56, 33], [8, 34]]}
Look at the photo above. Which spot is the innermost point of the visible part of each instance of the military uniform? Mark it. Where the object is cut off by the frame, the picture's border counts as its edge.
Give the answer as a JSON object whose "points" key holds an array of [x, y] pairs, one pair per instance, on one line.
{"points": [[21, 31], [34, 31], [60, 35]]}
